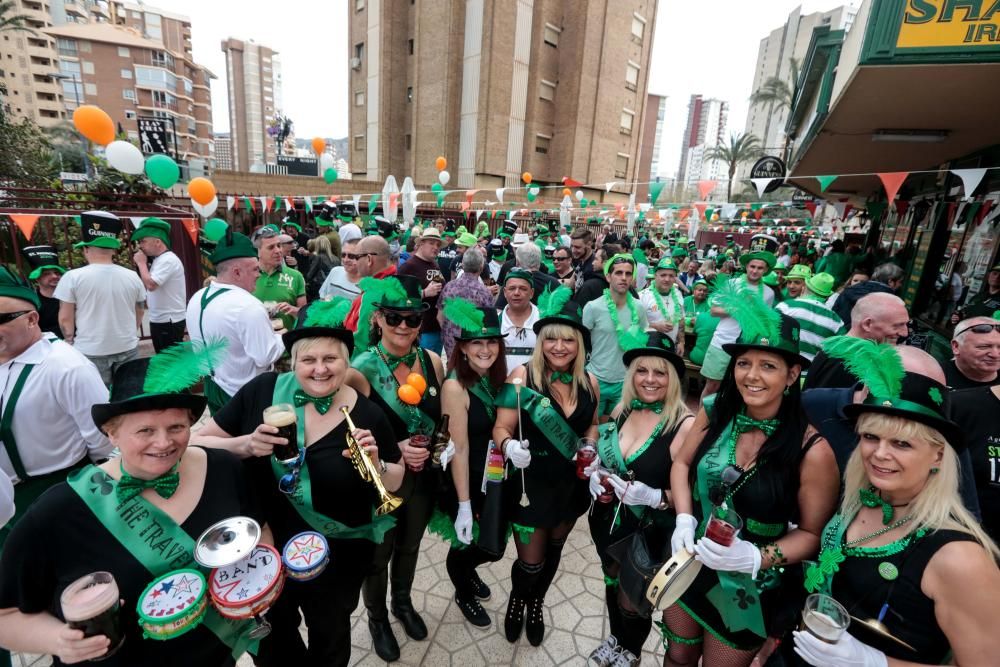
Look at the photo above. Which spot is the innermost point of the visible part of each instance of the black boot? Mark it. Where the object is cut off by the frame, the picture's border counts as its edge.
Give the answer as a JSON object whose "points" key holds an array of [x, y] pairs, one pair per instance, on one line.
{"points": [[523, 578], [408, 616], [384, 642], [473, 612], [461, 565], [634, 630], [404, 564], [534, 625]]}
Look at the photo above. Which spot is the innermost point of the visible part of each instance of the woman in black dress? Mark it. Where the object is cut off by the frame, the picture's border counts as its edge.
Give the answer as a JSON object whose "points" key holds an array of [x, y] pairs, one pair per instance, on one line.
{"points": [[558, 405], [478, 369], [330, 496], [634, 452], [378, 373]]}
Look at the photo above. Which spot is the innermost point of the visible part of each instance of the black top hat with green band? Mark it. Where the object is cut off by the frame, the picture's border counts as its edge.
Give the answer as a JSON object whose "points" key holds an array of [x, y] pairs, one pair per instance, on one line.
{"points": [[762, 247], [891, 389], [508, 228], [761, 327], [475, 323], [555, 307], [323, 319], [16, 287], [42, 258], [327, 212], [153, 228], [655, 344], [520, 274], [160, 382], [394, 293], [232, 245], [99, 229], [291, 222]]}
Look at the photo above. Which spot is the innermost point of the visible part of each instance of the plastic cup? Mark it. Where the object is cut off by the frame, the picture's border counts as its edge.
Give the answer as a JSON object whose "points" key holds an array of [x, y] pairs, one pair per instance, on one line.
{"points": [[419, 440], [825, 618], [723, 526], [91, 604], [586, 452]]}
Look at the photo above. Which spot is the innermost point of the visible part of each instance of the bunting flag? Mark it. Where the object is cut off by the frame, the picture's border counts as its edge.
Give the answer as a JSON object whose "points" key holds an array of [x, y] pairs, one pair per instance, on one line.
{"points": [[705, 187], [761, 184], [811, 207], [289, 204], [500, 192], [609, 185], [230, 203], [278, 202], [248, 204], [655, 188], [570, 183], [191, 226], [698, 210], [356, 199], [25, 222], [708, 214], [479, 213], [891, 181], [825, 181], [265, 204], [843, 208], [971, 178]]}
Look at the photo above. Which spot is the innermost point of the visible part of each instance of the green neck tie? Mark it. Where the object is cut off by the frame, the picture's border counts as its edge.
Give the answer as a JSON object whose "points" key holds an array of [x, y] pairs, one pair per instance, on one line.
{"points": [[655, 406], [561, 376], [394, 361], [870, 498], [129, 487], [746, 423], [321, 403]]}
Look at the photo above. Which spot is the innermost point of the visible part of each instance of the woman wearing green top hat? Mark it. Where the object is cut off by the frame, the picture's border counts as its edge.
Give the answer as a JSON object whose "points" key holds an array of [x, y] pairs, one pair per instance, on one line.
{"points": [[558, 399], [752, 452], [635, 448], [903, 556], [378, 373], [136, 516], [322, 492]]}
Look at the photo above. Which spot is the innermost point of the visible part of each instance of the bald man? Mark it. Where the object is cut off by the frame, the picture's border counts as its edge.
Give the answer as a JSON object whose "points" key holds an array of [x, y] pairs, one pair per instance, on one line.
{"points": [[976, 349], [881, 317], [374, 261]]}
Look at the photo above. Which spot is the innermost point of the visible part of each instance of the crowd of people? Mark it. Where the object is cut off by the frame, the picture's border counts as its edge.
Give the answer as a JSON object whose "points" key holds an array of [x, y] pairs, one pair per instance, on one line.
{"points": [[492, 388]]}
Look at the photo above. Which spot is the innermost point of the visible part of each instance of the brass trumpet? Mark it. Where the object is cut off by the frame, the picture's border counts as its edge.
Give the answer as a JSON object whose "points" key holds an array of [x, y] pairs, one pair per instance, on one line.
{"points": [[363, 464]]}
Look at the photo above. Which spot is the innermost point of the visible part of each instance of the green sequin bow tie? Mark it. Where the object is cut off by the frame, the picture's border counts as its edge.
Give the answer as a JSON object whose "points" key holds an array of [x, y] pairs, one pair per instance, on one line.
{"points": [[321, 403], [129, 487], [655, 406], [561, 376], [408, 359], [870, 498], [746, 423]]}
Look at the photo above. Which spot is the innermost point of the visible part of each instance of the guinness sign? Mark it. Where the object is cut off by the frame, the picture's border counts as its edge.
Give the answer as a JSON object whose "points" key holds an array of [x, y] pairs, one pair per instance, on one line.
{"points": [[769, 167]]}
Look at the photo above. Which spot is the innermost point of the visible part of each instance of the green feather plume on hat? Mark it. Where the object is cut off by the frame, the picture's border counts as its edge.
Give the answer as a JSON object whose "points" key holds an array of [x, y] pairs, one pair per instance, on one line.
{"points": [[551, 302], [183, 365], [755, 317], [374, 291], [328, 313], [878, 365], [632, 338], [463, 313]]}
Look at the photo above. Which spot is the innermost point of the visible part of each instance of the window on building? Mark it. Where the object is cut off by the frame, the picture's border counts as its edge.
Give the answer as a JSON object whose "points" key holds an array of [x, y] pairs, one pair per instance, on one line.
{"points": [[359, 5], [546, 90], [69, 67], [129, 114], [88, 67], [542, 143], [124, 52], [638, 26], [359, 142], [128, 94], [409, 93], [126, 74], [409, 141], [552, 34], [409, 45], [162, 59], [631, 76], [359, 51], [628, 117], [84, 46], [67, 47], [359, 99], [90, 89], [621, 166]]}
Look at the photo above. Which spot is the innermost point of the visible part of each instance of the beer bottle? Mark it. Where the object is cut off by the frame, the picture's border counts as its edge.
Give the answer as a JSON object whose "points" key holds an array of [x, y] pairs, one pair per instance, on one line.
{"points": [[440, 439]]}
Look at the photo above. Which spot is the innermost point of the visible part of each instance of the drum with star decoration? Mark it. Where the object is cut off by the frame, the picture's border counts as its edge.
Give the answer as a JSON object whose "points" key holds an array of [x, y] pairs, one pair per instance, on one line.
{"points": [[173, 604], [249, 586], [306, 556]]}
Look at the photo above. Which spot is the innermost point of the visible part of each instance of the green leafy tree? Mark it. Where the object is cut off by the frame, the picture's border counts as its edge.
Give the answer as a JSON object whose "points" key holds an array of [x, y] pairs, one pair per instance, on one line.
{"points": [[26, 156], [742, 148], [11, 22], [777, 94]]}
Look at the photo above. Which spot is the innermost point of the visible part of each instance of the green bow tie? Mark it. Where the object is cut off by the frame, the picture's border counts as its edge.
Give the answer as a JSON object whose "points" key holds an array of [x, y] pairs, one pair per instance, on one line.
{"points": [[394, 361], [561, 376], [746, 423], [655, 406], [129, 487], [870, 498], [322, 403]]}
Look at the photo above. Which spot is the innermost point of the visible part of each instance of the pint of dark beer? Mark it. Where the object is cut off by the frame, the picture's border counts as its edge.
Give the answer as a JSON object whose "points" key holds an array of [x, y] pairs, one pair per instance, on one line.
{"points": [[91, 604], [282, 417]]}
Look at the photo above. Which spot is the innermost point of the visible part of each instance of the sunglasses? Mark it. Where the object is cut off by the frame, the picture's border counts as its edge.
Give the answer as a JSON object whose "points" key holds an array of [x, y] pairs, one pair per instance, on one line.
{"points": [[264, 233], [394, 319], [975, 328], [289, 482], [10, 317], [560, 259], [730, 475], [351, 255]]}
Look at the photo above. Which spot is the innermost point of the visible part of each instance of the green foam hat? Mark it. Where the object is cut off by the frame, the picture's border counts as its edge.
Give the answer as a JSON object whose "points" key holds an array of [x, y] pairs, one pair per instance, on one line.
{"points": [[821, 284], [153, 228], [799, 272]]}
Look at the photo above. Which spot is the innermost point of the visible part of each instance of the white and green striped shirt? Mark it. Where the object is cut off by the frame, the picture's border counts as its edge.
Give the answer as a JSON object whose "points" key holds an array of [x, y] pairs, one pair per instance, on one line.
{"points": [[816, 321]]}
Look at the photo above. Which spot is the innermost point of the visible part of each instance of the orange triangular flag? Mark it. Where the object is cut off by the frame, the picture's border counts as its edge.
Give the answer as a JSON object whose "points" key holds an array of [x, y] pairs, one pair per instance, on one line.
{"points": [[704, 187], [892, 181], [25, 222], [191, 225]]}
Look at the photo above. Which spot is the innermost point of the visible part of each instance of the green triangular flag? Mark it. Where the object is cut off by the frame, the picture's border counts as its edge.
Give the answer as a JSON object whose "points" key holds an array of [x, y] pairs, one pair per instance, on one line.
{"points": [[248, 203], [756, 207], [824, 182], [278, 202], [708, 214], [655, 188], [876, 209]]}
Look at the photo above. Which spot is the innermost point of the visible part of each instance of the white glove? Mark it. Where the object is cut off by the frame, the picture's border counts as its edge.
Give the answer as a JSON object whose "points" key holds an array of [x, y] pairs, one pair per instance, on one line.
{"points": [[683, 536], [593, 467], [846, 652], [463, 522], [740, 556], [448, 454], [517, 453], [596, 488], [635, 493]]}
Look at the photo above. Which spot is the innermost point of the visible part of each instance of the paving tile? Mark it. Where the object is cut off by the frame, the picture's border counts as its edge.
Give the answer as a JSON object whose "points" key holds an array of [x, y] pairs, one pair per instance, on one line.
{"points": [[495, 648], [559, 645], [565, 616]]}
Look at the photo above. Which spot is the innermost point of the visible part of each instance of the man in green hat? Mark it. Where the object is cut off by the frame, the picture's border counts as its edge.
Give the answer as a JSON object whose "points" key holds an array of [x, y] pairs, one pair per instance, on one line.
{"points": [[162, 273], [664, 304], [697, 303], [228, 310], [816, 321], [518, 317], [795, 281], [46, 272], [277, 283], [102, 302]]}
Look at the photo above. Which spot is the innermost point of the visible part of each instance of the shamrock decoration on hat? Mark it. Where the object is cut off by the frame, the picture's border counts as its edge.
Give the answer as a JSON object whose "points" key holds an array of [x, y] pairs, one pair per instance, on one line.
{"points": [[762, 247]]}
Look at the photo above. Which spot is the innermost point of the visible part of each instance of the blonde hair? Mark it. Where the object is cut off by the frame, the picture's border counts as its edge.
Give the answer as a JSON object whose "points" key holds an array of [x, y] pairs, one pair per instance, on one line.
{"points": [[674, 409], [938, 505], [303, 345], [320, 246], [537, 364]]}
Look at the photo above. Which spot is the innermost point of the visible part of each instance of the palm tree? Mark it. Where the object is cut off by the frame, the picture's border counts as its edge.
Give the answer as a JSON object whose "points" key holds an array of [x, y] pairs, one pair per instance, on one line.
{"points": [[779, 94], [742, 147], [10, 22]]}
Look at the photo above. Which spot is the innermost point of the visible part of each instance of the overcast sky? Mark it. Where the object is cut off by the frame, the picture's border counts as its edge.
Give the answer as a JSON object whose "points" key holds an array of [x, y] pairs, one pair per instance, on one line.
{"points": [[708, 47]]}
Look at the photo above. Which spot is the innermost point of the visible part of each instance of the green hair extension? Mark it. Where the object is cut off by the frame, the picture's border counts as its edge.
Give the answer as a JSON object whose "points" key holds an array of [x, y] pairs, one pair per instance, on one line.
{"points": [[183, 365], [755, 317], [463, 313], [878, 365], [551, 302], [328, 313]]}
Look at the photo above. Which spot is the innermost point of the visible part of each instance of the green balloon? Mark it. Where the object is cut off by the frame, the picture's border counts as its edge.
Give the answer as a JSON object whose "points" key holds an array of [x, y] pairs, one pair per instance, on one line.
{"points": [[437, 187], [440, 200], [215, 229], [531, 195], [162, 170], [330, 175]]}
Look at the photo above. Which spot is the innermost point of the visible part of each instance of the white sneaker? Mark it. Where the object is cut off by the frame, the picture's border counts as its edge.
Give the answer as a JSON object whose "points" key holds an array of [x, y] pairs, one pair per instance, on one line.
{"points": [[624, 658], [604, 655]]}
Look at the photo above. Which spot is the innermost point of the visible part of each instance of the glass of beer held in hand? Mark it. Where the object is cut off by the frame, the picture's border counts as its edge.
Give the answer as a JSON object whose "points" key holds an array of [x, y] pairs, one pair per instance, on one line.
{"points": [[282, 417]]}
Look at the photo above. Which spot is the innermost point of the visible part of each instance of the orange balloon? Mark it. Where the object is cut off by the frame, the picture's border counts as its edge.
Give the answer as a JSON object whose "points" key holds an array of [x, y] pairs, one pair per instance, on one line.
{"points": [[408, 394], [526, 177], [319, 145], [417, 381], [94, 124], [441, 163], [567, 192], [201, 190]]}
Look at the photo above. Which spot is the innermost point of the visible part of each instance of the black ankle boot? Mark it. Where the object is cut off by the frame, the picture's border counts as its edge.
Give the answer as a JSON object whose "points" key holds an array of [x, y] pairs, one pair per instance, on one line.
{"points": [[534, 625], [473, 612], [482, 591], [384, 642], [408, 616], [513, 621]]}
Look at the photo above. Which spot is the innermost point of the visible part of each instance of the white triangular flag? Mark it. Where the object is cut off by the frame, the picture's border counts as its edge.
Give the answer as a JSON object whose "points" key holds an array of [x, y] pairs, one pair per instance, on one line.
{"points": [[971, 178], [761, 185], [308, 201], [230, 203], [356, 199], [841, 207], [500, 192], [479, 213], [608, 186], [263, 203], [136, 221], [289, 203]]}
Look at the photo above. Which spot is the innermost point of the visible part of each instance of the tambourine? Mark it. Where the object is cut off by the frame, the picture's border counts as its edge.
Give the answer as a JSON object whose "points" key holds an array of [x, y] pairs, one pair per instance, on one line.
{"points": [[875, 626], [305, 556], [173, 604], [671, 580], [248, 587]]}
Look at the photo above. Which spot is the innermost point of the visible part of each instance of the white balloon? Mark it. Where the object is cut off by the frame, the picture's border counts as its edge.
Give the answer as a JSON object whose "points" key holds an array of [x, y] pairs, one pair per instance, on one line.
{"points": [[326, 162], [125, 157], [206, 210], [579, 194], [444, 177]]}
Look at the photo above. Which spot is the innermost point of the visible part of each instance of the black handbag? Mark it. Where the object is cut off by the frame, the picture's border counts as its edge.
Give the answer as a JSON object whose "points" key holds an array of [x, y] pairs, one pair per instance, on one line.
{"points": [[638, 564]]}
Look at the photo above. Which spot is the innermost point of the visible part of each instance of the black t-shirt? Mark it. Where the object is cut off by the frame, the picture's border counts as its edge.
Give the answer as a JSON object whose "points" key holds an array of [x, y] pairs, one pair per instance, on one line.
{"points": [[957, 380], [337, 489], [425, 272], [60, 540], [48, 314], [827, 372], [975, 411]]}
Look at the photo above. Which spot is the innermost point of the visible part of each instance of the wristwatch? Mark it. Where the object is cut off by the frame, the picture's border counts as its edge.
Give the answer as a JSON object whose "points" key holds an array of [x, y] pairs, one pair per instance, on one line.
{"points": [[382, 467], [664, 503]]}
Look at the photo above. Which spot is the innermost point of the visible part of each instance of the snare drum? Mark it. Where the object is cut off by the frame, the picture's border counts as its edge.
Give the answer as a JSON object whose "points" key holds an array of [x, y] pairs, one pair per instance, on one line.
{"points": [[173, 604], [671, 580], [249, 586], [306, 556]]}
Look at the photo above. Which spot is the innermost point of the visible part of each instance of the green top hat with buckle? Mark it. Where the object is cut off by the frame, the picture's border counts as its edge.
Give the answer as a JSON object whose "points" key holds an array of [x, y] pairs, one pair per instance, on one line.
{"points": [[821, 284], [42, 258], [323, 319], [761, 327], [555, 307], [16, 287], [153, 228], [99, 229], [474, 322], [762, 247]]}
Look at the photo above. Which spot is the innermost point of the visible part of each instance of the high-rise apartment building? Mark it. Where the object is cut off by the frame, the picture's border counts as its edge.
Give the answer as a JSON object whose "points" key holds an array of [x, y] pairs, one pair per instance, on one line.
{"points": [[704, 129], [499, 87], [27, 59], [649, 153], [223, 151], [253, 73]]}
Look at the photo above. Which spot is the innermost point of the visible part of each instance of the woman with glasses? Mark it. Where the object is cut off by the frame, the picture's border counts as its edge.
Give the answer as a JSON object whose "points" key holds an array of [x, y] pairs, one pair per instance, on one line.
{"points": [[752, 459], [558, 401], [378, 373], [322, 492], [634, 452]]}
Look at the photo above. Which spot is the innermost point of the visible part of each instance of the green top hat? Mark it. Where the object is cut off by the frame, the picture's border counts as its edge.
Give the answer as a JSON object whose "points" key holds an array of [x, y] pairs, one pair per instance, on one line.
{"points": [[475, 323], [42, 258], [153, 228], [323, 319], [401, 293], [99, 229], [232, 246], [666, 264], [519, 274], [656, 344], [821, 284], [16, 287], [762, 247], [555, 307], [761, 327], [290, 222]]}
